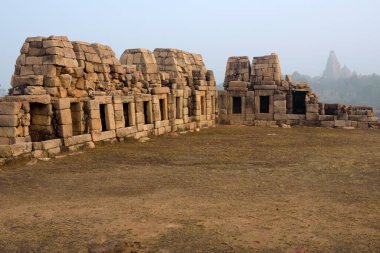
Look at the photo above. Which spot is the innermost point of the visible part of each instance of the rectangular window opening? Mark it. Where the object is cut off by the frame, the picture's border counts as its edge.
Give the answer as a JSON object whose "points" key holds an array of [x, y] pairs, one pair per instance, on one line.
{"points": [[264, 104], [162, 109], [102, 109], [178, 108], [78, 118], [126, 114], [212, 105], [236, 105], [41, 122], [299, 104], [146, 113], [203, 109]]}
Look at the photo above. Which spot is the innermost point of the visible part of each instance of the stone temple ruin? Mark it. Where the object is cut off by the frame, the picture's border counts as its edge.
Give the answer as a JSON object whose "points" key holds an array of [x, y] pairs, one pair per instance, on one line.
{"points": [[256, 94], [68, 95]]}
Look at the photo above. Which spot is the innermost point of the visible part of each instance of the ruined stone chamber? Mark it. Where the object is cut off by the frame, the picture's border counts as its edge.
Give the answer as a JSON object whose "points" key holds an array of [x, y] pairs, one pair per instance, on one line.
{"points": [[67, 95], [256, 94]]}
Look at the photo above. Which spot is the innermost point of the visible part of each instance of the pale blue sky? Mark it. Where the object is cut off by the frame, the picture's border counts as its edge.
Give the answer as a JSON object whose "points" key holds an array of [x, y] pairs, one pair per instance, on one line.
{"points": [[302, 32]]}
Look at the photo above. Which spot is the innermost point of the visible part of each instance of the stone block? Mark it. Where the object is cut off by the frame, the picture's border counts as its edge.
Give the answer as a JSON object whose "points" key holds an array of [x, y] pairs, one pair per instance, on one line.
{"points": [[327, 123], [54, 151], [31, 80], [238, 84], [34, 90], [33, 60], [26, 71], [78, 139], [95, 125], [65, 131], [92, 105], [64, 116], [94, 114], [52, 82], [54, 60], [160, 90], [8, 132], [279, 116], [124, 132], [100, 136], [5, 151], [9, 121], [326, 117], [237, 89], [49, 70], [18, 140], [363, 125], [265, 87], [10, 108], [312, 108], [312, 116], [21, 148], [119, 124], [339, 123], [62, 103], [52, 43], [5, 141], [54, 50], [279, 97], [40, 154], [110, 117], [49, 144], [65, 80]]}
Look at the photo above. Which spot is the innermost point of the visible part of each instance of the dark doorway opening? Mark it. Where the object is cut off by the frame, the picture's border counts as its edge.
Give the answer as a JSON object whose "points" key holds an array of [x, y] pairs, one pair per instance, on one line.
{"points": [[146, 112], [178, 109], [299, 104], [126, 114], [264, 104], [102, 109], [203, 107], [236, 105], [42, 126], [212, 105], [192, 105], [162, 109], [78, 118]]}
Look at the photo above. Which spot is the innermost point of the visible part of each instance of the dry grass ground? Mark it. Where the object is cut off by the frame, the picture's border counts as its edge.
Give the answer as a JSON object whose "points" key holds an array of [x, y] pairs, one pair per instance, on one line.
{"points": [[226, 189]]}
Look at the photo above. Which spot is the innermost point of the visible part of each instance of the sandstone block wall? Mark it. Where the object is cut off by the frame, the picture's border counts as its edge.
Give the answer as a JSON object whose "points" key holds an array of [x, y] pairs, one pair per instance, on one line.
{"points": [[264, 98], [237, 69], [67, 95]]}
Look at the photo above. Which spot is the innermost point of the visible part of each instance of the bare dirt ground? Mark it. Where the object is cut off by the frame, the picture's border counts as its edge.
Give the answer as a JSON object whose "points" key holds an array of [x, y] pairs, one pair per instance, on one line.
{"points": [[225, 189]]}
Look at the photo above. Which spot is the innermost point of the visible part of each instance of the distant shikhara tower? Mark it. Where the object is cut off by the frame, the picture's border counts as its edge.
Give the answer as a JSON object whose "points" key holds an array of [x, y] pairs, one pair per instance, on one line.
{"points": [[333, 71]]}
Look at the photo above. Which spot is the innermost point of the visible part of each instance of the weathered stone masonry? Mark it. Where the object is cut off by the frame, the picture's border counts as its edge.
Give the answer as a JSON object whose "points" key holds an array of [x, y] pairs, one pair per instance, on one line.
{"points": [[67, 95], [255, 94]]}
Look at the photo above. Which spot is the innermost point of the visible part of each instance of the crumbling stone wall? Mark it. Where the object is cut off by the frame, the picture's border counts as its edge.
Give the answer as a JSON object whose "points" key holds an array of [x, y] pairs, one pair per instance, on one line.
{"points": [[266, 99], [67, 95], [145, 62], [238, 69]]}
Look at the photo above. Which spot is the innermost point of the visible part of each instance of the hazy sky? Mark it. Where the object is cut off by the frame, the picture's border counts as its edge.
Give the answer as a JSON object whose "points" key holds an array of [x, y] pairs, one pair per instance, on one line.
{"points": [[302, 32]]}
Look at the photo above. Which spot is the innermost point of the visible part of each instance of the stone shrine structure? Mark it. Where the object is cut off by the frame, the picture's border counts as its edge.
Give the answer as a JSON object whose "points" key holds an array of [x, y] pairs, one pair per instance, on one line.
{"points": [[69, 94], [256, 94]]}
